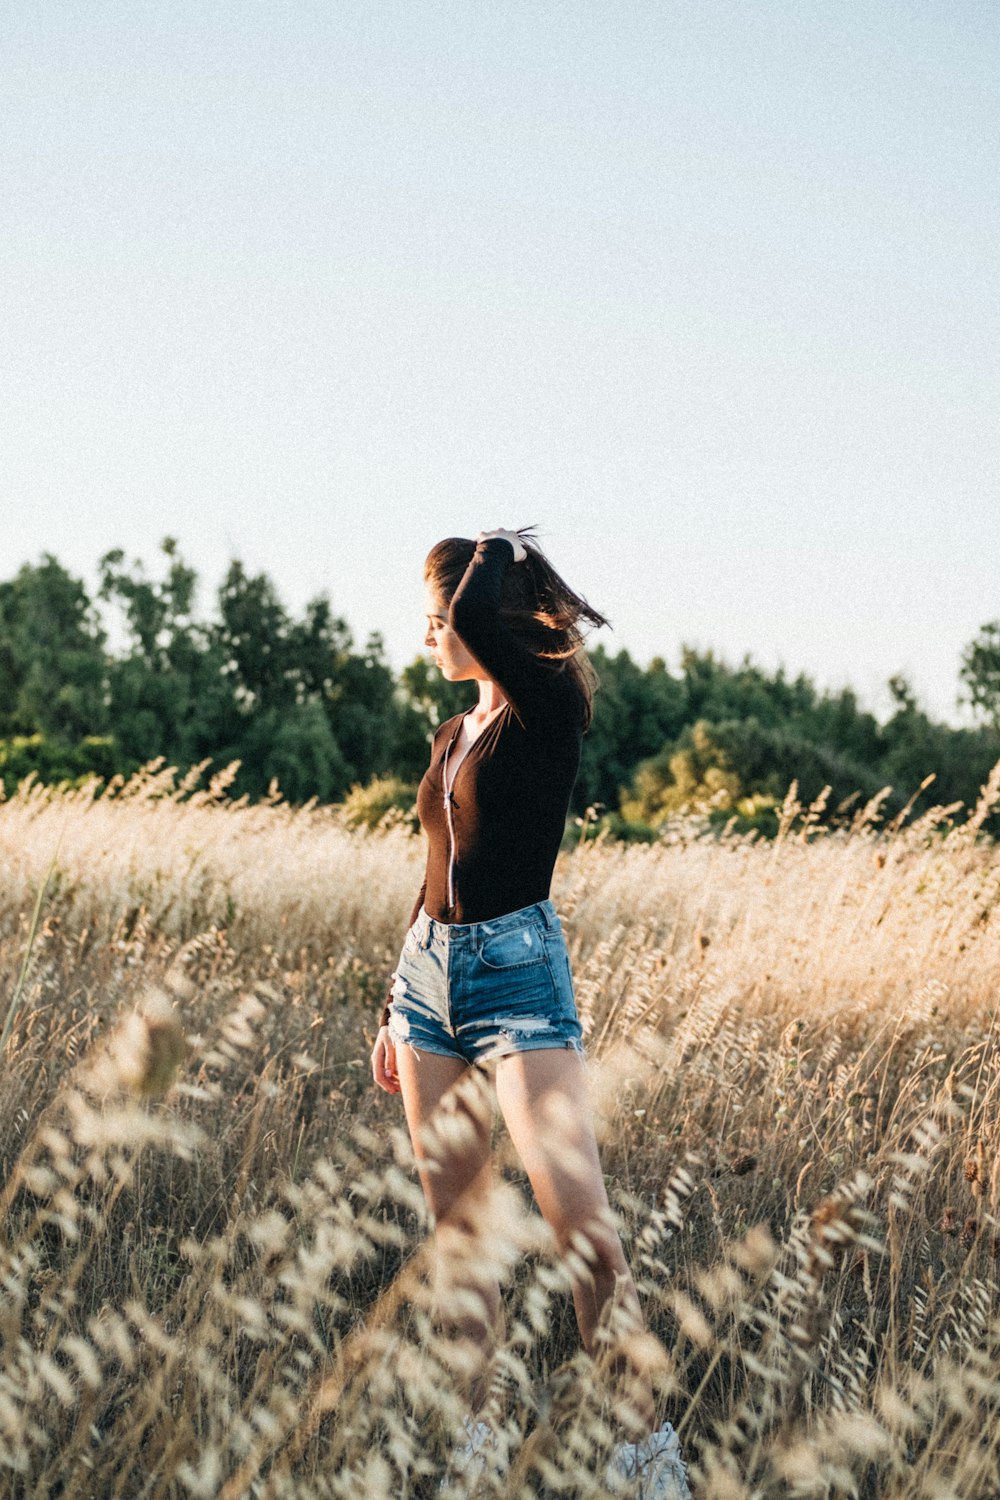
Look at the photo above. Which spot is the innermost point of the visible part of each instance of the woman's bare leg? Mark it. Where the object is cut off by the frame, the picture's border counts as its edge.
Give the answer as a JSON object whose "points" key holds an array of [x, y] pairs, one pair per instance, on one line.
{"points": [[544, 1101], [449, 1117]]}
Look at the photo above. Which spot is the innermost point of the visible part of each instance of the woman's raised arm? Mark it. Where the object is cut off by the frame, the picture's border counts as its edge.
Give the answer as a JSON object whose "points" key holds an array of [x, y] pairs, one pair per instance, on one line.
{"points": [[540, 695]]}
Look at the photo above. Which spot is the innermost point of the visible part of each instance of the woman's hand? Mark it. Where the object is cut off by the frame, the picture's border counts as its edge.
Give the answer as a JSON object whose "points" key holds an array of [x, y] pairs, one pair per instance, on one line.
{"points": [[520, 551], [384, 1062]]}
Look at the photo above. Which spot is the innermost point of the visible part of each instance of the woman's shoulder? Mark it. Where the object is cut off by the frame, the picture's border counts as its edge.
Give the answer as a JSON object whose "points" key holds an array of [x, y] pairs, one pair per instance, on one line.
{"points": [[447, 725]]}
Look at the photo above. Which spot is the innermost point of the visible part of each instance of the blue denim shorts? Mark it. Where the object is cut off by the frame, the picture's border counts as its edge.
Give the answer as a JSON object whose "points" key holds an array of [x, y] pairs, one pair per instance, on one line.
{"points": [[482, 990]]}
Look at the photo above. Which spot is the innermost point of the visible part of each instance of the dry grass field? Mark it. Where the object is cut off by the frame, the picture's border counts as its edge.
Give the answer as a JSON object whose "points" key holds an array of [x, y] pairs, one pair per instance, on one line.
{"points": [[212, 1271]]}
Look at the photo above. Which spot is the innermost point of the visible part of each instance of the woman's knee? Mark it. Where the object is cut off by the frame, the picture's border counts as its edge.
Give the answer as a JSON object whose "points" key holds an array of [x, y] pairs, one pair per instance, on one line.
{"points": [[593, 1244]]}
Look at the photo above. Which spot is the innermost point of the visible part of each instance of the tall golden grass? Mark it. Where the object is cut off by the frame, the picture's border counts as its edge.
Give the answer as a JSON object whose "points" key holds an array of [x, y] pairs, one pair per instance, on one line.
{"points": [[214, 1251]]}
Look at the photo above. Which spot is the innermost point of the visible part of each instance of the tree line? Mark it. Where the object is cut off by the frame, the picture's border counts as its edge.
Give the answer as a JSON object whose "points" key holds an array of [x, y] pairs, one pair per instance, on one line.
{"points": [[298, 702]]}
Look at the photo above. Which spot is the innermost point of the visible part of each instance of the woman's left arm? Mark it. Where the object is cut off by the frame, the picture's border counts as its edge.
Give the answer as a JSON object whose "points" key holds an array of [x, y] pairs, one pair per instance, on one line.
{"points": [[539, 695]]}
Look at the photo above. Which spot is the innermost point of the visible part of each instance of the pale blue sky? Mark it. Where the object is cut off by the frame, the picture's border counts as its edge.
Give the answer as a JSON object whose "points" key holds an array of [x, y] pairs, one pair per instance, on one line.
{"points": [[708, 290]]}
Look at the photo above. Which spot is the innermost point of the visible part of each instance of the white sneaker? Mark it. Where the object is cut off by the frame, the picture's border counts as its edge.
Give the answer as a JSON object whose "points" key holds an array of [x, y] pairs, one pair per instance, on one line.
{"points": [[657, 1465], [473, 1454]]}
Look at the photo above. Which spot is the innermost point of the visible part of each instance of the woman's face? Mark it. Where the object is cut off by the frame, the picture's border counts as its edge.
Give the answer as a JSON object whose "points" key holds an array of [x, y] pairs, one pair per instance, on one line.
{"points": [[451, 655]]}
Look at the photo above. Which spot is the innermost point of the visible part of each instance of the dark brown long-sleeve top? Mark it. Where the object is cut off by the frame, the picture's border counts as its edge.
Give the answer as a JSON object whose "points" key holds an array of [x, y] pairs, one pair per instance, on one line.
{"points": [[511, 793]]}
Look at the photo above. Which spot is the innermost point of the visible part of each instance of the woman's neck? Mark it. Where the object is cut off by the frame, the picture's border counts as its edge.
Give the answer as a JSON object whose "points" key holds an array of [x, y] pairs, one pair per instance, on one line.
{"points": [[490, 699]]}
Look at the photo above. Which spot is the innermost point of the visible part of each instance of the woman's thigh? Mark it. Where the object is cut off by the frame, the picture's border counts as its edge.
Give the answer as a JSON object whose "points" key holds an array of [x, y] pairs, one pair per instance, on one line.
{"points": [[449, 1116], [544, 1100]]}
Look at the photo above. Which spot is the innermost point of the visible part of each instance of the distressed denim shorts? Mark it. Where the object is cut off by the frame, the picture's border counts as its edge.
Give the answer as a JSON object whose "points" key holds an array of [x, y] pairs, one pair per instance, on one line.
{"points": [[482, 990]]}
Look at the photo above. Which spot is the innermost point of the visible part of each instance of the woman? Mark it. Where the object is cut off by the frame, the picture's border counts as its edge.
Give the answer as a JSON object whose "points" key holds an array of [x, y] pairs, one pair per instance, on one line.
{"points": [[484, 975]]}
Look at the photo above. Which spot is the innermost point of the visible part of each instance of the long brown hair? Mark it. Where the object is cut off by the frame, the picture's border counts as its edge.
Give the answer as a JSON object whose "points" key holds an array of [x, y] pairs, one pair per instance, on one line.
{"points": [[536, 603]]}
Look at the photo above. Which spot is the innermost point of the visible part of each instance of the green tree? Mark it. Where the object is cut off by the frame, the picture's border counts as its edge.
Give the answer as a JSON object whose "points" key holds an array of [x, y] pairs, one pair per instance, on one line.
{"points": [[53, 761], [635, 711], [693, 775], [52, 657], [296, 747], [768, 758], [169, 692], [300, 670], [718, 766], [364, 711], [282, 676], [914, 746], [720, 693], [980, 673], [254, 635]]}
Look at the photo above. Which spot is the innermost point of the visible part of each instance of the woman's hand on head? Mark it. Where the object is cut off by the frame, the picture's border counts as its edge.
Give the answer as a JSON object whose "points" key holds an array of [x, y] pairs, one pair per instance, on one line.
{"points": [[520, 551], [384, 1062]]}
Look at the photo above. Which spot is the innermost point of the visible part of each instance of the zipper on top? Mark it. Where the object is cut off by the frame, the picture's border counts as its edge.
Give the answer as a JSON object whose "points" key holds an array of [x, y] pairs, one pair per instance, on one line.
{"points": [[449, 797]]}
